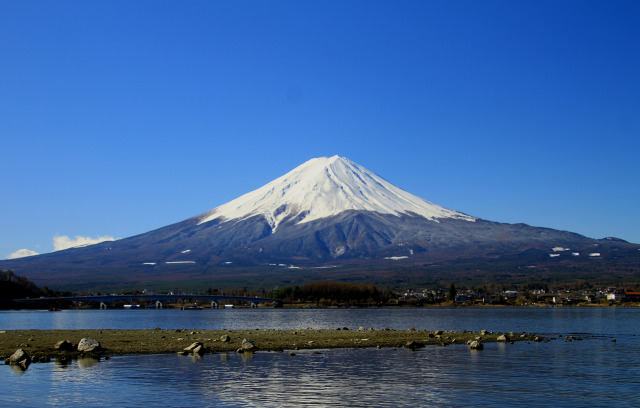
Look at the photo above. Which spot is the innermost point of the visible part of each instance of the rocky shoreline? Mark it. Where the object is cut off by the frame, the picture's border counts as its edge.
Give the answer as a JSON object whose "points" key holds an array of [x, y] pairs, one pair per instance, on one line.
{"points": [[44, 345]]}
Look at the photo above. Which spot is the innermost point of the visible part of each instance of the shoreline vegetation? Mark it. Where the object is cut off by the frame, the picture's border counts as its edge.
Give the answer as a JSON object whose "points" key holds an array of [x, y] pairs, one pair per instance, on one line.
{"points": [[14, 290], [63, 345]]}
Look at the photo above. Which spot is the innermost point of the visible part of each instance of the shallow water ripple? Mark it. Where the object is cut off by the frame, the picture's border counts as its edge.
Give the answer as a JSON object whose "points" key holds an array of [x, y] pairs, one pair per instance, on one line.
{"points": [[594, 372]]}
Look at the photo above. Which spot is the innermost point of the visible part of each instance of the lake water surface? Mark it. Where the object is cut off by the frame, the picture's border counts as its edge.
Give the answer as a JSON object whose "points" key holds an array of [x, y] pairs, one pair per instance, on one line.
{"points": [[596, 371]]}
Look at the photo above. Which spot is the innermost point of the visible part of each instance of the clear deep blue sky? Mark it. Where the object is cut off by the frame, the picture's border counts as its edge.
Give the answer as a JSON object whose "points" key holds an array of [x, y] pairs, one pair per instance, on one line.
{"points": [[119, 117]]}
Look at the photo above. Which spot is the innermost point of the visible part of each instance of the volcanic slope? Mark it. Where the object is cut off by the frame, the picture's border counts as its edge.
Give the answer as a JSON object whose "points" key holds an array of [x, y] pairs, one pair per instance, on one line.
{"points": [[327, 212]]}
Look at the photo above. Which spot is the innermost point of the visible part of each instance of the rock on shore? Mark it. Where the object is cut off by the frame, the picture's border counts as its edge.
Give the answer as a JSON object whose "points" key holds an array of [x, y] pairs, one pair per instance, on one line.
{"points": [[87, 344], [20, 358]]}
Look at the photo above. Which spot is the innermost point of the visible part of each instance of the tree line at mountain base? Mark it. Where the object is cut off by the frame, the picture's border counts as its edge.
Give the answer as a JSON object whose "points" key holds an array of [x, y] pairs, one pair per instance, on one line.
{"points": [[338, 293], [331, 294]]}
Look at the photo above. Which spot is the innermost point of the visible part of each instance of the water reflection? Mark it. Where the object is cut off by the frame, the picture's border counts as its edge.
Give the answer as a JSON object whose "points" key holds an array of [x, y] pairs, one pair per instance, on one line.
{"points": [[541, 320], [592, 372], [88, 362], [432, 376], [18, 369], [62, 362]]}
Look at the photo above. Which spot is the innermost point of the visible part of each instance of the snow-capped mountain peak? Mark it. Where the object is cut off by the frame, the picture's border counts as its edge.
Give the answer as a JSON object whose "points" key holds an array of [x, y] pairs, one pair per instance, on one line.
{"points": [[324, 187]]}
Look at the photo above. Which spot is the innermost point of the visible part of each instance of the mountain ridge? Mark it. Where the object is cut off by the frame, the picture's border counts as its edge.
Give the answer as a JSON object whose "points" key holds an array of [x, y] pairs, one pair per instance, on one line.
{"points": [[325, 213]]}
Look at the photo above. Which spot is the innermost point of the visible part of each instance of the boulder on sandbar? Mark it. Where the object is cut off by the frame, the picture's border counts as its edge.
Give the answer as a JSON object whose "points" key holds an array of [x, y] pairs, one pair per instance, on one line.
{"points": [[21, 358], [87, 344], [64, 345]]}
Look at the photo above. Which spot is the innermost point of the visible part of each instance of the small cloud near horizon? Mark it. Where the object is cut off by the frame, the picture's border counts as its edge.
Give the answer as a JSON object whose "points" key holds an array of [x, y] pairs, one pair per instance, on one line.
{"points": [[21, 253], [61, 242]]}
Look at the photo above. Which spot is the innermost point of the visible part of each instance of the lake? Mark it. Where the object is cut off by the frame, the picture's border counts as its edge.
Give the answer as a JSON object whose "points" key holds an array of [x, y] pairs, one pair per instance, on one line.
{"points": [[596, 371]]}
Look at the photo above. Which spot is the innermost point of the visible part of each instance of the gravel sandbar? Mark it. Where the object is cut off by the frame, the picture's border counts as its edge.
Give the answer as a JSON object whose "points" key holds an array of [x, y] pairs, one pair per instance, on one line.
{"points": [[40, 343]]}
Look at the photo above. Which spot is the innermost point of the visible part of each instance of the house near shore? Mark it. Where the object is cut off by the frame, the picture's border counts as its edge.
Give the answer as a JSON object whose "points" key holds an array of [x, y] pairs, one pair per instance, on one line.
{"points": [[510, 294], [632, 296], [623, 296]]}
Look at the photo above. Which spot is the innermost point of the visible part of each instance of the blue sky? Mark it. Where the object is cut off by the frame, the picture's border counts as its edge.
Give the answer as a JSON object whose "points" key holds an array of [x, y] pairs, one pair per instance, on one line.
{"points": [[119, 117]]}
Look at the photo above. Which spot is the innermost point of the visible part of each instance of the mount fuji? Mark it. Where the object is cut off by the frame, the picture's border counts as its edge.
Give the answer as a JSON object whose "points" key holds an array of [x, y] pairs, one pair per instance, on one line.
{"points": [[327, 218], [326, 187]]}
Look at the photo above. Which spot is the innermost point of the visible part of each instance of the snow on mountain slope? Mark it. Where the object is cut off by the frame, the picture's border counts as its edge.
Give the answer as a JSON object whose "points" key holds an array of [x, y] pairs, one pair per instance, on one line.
{"points": [[323, 187]]}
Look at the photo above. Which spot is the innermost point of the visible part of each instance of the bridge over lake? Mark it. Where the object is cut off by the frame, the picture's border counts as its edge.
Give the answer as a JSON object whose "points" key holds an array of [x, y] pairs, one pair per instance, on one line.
{"points": [[159, 299]]}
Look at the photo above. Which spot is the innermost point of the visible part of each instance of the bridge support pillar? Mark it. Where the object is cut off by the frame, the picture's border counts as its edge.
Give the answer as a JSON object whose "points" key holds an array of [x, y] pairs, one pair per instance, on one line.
{"points": [[159, 305], [214, 304], [103, 305]]}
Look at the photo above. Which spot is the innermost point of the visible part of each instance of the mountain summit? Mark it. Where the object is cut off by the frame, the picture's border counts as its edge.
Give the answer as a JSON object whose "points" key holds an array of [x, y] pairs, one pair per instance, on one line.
{"points": [[325, 187], [328, 218]]}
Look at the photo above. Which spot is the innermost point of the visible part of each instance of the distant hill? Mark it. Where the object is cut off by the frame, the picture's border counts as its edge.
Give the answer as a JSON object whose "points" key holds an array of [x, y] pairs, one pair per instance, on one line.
{"points": [[13, 286]]}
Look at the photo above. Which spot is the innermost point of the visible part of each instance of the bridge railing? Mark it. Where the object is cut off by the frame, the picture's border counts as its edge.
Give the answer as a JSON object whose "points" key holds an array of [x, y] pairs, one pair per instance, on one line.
{"points": [[103, 299]]}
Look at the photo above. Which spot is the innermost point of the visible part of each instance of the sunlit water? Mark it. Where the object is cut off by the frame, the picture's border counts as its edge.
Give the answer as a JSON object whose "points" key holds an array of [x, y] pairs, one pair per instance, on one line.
{"points": [[593, 372]]}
